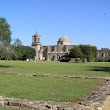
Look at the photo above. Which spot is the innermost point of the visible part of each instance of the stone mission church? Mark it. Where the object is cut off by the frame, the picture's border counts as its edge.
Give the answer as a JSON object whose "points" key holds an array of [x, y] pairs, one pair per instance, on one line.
{"points": [[51, 53], [54, 52]]}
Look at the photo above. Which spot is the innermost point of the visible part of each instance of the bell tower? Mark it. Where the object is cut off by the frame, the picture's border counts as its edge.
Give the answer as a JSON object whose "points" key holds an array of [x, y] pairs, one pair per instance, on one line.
{"points": [[36, 40], [36, 44]]}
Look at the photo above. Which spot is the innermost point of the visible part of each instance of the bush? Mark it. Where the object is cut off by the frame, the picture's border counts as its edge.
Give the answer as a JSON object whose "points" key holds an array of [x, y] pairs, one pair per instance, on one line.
{"points": [[78, 60], [101, 60], [108, 60], [64, 60]]}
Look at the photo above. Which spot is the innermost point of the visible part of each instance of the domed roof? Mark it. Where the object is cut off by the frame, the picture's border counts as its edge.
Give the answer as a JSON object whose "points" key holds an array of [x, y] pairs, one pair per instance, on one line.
{"points": [[64, 38]]}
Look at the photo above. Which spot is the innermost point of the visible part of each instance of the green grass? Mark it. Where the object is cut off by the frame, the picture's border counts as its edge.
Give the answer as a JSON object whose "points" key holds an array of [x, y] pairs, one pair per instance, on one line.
{"points": [[8, 108], [44, 67], [45, 88]]}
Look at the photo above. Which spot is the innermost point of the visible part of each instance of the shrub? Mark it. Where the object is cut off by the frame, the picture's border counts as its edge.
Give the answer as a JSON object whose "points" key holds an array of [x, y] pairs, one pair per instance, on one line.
{"points": [[78, 60], [101, 60], [108, 60], [64, 60]]}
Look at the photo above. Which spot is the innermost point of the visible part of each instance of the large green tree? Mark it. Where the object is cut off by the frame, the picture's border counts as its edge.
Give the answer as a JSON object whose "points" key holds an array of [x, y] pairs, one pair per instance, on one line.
{"points": [[76, 52], [5, 52], [89, 52], [5, 32], [84, 52], [23, 52], [5, 39]]}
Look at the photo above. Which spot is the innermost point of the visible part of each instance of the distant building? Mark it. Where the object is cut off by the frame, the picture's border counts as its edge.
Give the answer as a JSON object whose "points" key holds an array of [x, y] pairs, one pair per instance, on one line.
{"points": [[104, 53], [51, 53], [54, 52]]}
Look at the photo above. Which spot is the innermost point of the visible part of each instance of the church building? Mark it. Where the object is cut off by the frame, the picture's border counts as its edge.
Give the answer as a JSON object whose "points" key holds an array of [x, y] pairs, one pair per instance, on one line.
{"points": [[51, 53], [55, 52]]}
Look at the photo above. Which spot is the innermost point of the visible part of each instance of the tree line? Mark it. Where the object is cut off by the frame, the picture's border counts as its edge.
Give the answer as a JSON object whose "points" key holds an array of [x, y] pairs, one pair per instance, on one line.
{"points": [[15, 51]]}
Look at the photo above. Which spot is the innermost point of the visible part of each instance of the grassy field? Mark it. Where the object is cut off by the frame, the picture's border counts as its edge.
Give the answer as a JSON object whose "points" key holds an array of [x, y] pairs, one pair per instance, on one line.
{"points": [[43, 67], [46, 88]]}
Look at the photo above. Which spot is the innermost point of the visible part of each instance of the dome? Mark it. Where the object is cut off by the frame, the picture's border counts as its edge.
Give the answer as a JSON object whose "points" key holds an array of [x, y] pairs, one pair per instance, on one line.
{"points": [[64, 40]]}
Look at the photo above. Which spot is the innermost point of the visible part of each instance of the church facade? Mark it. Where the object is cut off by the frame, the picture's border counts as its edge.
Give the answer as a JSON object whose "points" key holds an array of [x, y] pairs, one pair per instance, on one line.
{"points": [[51, 53], [54, 52]]}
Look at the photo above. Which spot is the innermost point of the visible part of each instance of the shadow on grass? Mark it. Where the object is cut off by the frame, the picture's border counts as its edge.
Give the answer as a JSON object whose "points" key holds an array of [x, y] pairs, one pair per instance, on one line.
{"points": [[99, 68], [4, 66]]}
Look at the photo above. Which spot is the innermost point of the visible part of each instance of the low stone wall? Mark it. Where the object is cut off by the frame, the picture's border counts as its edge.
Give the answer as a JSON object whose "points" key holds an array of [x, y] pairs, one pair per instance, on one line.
{"points": [[97, 99], [56, 76], [37, 105]]}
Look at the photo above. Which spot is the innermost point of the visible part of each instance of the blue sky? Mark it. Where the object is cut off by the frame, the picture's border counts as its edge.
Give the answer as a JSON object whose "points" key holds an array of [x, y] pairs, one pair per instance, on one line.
{"points": [[83, 21]]}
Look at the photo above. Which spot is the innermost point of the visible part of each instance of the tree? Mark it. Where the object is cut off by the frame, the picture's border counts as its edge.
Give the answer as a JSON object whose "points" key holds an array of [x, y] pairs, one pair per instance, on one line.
{"points": [[94, 50], [29, 52], [16, 51], [17, 42], [75, 52], [23, 52], [5, 52], [17, 54], [84, 51], [89, 52], [5, 39], [5, 32]]}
